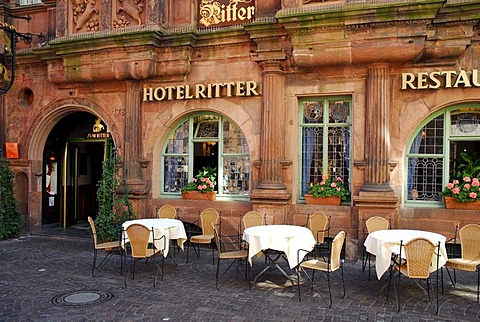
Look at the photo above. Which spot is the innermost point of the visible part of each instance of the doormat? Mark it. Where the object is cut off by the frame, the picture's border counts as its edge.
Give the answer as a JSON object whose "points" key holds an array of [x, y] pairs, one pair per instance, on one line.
{"points": [[82, 298]]}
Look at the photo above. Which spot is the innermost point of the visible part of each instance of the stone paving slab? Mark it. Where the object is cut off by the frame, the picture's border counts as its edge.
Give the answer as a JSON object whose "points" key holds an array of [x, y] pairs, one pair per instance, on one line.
{"points": [[37, 269]]}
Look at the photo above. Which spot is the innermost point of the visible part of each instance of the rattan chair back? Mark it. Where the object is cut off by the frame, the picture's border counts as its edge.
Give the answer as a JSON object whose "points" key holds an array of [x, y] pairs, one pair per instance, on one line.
{"points": [[418, 256], [138, 236], [335, 256], [318, 224], [167, 211], [253, 218], [94, 231], [376, 223], [470, 240], [207, 217]]}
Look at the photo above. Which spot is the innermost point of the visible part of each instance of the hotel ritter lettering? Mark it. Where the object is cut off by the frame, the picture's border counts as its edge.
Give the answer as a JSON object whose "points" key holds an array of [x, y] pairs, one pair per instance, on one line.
{"points": [[274, 95]]}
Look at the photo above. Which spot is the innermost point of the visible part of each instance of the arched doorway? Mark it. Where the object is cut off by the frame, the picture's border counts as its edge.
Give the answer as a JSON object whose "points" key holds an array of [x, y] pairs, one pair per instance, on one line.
{"points": [[72, 163]]}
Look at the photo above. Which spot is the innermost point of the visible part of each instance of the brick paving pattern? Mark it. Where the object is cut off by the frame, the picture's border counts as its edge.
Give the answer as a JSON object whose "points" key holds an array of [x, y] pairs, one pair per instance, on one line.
{"points": [[35, 269]]}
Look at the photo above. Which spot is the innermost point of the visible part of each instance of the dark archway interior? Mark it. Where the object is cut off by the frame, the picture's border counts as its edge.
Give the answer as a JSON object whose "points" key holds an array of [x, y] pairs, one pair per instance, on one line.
{"points": [[70, 179]]}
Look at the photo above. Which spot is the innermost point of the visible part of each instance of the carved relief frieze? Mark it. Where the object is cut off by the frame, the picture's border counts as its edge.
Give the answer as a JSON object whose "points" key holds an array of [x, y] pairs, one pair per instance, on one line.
{"points": [[155, 10], [129, 13], [84, 16], [105, 14], [61, 18]]}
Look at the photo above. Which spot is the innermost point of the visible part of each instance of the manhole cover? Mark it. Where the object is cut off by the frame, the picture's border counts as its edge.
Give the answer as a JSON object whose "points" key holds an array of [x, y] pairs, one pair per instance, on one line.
{"points": [[82, 298]]}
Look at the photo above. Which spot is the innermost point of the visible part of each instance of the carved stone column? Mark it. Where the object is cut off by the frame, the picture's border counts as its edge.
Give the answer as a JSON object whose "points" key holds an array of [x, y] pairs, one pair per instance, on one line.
{"points": [[376, 197], [272, 137], [132, 147], [271, 186], [377, 140]]}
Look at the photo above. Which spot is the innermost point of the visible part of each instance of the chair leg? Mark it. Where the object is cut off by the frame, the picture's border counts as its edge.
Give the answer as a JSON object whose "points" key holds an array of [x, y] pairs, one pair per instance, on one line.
{"points": [[97, 268], [298, 283], [478, 284], [94, 261], [159, 267], [217, 273], [213, 252], [396, 288], [329, 289]]}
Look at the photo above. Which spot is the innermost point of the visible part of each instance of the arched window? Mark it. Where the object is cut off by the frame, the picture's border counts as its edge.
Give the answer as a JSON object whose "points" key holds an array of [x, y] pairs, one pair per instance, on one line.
{"points": [[207, 140], [325, 133], [434, 152]]}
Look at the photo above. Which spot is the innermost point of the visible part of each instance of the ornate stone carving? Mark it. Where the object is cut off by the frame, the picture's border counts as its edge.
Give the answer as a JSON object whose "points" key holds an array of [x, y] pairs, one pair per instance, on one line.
{"points": [[129, 11], [61, 18], [105, 14], [85, 15]]}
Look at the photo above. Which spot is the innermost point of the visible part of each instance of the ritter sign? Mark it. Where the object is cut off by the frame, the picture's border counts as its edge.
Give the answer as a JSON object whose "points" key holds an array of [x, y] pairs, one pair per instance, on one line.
{"points": [[221, 13]]}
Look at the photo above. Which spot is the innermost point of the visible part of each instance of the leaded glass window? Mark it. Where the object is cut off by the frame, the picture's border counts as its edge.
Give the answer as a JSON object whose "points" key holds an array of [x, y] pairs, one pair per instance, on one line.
{"points": [[207, 140], [325, 133], [434, 152]]}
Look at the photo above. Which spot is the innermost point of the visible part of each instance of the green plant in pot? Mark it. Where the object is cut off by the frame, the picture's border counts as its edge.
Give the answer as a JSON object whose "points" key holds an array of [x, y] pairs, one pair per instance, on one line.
{"points": [[465, 186], [204, 181], [114, 206], [9, 217], [329, 187]]}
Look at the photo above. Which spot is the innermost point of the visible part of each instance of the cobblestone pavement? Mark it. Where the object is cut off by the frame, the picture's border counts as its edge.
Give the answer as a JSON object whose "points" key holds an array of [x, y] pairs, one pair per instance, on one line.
{"points": [[40, 273]]}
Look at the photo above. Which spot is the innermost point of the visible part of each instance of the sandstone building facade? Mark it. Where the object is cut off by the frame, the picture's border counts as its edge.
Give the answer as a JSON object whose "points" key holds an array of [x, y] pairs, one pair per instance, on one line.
{"points": [[273, 93]]}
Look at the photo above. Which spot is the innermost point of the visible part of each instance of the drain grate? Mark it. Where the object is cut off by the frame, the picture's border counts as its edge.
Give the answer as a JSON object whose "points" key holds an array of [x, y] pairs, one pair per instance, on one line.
{"points": [[82, 298]]}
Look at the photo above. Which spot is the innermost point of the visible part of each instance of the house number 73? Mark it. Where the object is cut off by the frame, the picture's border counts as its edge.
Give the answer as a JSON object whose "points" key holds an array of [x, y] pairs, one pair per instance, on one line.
{"points": [[118, 111]]}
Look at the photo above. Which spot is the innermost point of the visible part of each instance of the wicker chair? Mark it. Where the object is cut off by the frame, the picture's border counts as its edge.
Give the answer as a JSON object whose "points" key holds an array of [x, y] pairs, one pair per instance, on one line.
{"points": [[372, 224], [141, 247], [332, 264], [319, 224], [470, 259], [109, 248], [167, 211], [206, 218], [253, 218], [229, 248], [415, 265]]}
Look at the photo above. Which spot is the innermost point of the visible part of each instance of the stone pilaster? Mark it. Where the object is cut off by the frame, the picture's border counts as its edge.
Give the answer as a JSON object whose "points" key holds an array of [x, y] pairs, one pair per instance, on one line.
{"points": [[377, 140], [376, 196], [272, 137], [132, 135], [271, 187]]}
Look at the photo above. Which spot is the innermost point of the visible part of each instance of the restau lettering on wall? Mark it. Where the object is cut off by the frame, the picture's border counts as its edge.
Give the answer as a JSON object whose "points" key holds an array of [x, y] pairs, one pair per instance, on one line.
{"points": [[441, 79]]}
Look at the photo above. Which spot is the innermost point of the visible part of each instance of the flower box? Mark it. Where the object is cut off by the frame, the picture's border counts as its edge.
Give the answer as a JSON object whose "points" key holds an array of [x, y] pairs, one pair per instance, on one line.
{"points": [[197, 195], [311, 200], [452, 203]]}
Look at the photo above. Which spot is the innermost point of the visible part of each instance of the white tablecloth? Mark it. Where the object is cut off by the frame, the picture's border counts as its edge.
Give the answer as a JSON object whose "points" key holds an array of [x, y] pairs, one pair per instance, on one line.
{"points": [[171, 228], [382, 243], [285, 238]]}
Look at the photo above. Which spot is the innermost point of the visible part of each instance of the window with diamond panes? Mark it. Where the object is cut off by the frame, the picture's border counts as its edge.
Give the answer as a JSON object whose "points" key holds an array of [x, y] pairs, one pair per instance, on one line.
{"points": [[434, 152], [325, 140], [207, 140]]}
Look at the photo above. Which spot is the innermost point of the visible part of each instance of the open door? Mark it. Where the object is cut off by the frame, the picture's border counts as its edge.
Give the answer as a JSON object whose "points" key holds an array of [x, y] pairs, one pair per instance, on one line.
{"points": [[82, 160]]}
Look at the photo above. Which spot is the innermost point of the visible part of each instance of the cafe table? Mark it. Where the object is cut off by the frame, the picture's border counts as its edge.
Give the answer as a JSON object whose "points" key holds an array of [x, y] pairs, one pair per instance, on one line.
{"points": [[384, 243], [284, 240], [173, 229]]}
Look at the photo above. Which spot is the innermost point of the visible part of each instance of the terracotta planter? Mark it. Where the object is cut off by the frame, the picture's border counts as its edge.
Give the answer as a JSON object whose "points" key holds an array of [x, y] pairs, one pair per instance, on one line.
{"points": [[452, 203], [197, 195], [311, 200]]}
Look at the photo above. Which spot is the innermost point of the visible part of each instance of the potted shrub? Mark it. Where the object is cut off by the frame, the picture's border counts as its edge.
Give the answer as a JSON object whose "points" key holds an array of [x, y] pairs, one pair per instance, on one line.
{"points": [[330, 191], [202, 186], [463, 192], [9, 217], [114, 206]]}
